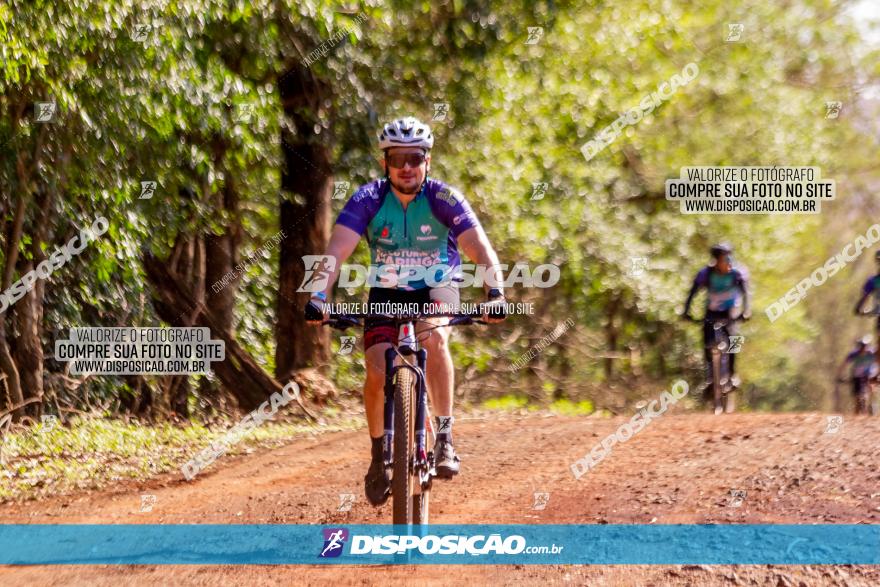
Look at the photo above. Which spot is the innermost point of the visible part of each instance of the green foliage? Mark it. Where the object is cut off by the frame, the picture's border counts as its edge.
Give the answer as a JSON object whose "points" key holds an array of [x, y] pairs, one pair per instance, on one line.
{"points": [[91, 452], [195, 104]]}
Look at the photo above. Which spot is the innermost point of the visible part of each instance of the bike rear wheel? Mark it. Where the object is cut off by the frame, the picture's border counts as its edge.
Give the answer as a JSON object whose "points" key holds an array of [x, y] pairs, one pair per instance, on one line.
{"points": [[729, 404], [862, 404], [402, 480], [716, 381]]}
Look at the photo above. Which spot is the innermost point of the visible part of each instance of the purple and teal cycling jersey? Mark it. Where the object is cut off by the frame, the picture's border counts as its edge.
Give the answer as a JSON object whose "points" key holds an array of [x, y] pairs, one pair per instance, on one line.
{"points": [[723, 289], [424, 234], [863, 364]]}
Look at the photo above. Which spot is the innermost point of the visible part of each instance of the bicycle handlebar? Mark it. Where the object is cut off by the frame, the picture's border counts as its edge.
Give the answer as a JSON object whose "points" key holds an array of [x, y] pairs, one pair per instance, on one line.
{"points": [[344, 321], [689, 318]]}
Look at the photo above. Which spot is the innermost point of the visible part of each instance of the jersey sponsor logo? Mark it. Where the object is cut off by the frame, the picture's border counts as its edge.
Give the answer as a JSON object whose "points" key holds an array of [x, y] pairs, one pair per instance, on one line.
{"points": [[426, 233], [385, 236], [449, 195], [367, 191]]}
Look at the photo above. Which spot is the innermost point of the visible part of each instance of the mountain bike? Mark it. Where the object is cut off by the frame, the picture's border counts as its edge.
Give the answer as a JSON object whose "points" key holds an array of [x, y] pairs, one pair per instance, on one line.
{"points": [[722, 387], [406, 413], [863, 393], [873, 313]]}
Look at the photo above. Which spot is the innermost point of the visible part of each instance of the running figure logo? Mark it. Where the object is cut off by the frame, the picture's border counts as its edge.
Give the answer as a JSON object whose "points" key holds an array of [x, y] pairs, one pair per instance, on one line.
{"points": [[346, 344], [334, 540], [542, 498], [735, 343], [346, 500], [148, 190], [734, 32], [148, 500], [535, 34], [340, 189], [539, 189], [317, 274], [832, 109], [737, 496], [639, 264], [140, 32], [834, 424], [44, 111]]}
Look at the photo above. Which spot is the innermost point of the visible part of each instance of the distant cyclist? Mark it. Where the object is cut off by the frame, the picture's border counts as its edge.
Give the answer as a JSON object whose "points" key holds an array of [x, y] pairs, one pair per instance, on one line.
{"points": [[727, 291], [871, 288], [863, 369], [410, 220]]}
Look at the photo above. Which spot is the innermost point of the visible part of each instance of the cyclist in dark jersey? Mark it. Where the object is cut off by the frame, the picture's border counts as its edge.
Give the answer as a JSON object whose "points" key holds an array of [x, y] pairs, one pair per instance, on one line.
{"points": [[863, 369], [410, 220], [727, 290], [871, 288]]}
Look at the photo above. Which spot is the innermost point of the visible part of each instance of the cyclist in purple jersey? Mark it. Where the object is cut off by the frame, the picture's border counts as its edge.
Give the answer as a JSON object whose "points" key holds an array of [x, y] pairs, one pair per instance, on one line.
{"points": [[410, 220], [727, 291]]}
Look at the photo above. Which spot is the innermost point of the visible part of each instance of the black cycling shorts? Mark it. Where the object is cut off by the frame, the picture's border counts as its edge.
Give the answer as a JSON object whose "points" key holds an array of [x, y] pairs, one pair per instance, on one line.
{"points": [[379, 330]]}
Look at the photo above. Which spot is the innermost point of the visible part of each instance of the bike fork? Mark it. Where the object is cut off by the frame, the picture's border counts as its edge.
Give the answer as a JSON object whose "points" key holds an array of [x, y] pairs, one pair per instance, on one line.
{"points": [[389, 407], [421, 406]]}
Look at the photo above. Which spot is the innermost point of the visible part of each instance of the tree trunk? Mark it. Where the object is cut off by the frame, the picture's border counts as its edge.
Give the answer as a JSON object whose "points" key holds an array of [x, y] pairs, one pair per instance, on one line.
{"points": [[11, 377], [611, 336], [140, 402], [11, 380], [238, 372], [27, 346], [307, 185], [221, 278]]}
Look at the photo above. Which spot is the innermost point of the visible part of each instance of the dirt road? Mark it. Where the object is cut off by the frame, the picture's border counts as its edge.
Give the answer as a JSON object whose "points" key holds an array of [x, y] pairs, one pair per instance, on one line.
{"points": [[679, 469]]}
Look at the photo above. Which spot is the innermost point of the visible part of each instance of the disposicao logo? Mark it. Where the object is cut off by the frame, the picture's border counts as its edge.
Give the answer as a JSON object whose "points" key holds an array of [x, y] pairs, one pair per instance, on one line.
{"points": [[334, 540]]}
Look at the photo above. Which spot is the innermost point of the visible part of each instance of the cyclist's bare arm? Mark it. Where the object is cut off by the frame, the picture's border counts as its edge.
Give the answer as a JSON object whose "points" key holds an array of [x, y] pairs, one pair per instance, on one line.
{"points": [[842, 369], [747, 310], [687, 304], [477, 247], [343, 242], [861, 302]]}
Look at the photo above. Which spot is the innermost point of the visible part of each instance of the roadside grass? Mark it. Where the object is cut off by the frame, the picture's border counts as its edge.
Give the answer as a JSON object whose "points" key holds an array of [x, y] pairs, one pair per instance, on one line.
{"points": [[519, 403], [91, 452]]}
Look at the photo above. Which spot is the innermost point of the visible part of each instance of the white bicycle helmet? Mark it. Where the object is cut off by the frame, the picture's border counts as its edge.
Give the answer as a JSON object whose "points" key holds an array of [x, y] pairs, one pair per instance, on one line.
{"points": [[406, 132]]}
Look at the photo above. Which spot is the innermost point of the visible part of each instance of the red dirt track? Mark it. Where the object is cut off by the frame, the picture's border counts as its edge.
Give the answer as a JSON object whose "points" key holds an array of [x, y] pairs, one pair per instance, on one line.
{"points": [[679, 469]]}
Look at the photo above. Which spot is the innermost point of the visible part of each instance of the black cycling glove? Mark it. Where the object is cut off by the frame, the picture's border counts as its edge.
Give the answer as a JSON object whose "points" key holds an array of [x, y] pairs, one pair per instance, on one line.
{"points": [[496, 312], [314, 311]]}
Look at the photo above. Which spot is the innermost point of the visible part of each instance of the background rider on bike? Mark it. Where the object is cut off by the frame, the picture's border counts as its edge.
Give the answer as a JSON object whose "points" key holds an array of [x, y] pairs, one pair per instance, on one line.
{"points": [[863, 368], [727, 291], [872, 286], [410, 219]]}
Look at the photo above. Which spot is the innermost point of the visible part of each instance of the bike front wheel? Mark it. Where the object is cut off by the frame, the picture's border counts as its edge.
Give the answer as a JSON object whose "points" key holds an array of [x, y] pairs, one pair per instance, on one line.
{"points": [[420, 508], [716, 382], [402, 480]]}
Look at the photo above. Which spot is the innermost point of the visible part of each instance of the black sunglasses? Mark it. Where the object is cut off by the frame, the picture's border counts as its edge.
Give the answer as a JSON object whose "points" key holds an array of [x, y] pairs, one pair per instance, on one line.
{"points": [[398, 160]]}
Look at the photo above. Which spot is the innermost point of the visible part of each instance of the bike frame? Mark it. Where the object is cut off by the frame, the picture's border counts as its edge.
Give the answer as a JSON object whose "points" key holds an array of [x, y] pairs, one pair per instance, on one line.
{"points": [[720, 365], [719, 361], [866, 389]]}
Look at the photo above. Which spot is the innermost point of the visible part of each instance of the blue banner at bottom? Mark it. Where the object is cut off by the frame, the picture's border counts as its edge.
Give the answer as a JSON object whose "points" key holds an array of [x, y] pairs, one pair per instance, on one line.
{"points": [[269, 544]]}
